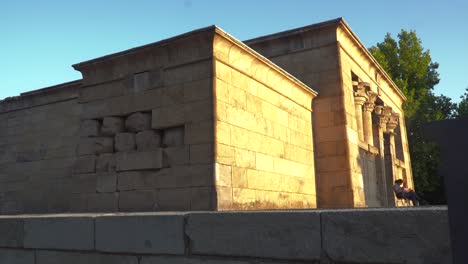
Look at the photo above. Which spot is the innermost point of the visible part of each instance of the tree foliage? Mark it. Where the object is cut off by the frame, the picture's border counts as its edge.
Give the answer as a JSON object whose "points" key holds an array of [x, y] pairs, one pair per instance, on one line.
{"points": [[411, 68], [462, 108]]}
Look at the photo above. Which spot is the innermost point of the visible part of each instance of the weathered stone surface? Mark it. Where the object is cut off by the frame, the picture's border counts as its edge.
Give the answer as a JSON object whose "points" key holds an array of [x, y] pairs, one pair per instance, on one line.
{"points": [[125, 142], [105, 162], [76, 233], [168, 116], [102, 202], [61, 257], [17, 256], [139, 180], [90, 128], [173, 136], [154, 234], [95, 145], [203, 199], [11, 231], [191, 260], [112, 125], [139, 160], [387, 236], [282, 235], [176, 155], [177, 199], [141, 82], [85, 164], [138, 201], [138, 122], [148, 140], [106, 182]]}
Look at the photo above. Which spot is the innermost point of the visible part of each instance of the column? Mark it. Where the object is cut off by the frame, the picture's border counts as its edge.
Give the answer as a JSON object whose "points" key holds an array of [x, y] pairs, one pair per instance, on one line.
{"points": [[360, 97], [368, 107], [385, 165]]}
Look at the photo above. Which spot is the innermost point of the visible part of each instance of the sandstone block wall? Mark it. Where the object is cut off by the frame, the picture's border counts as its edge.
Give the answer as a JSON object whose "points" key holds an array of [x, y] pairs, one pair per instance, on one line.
{"points": [[351, 170], [264, 150], [140, 131], [319, 236], [312, 56], [147, 128], [38, 137]]}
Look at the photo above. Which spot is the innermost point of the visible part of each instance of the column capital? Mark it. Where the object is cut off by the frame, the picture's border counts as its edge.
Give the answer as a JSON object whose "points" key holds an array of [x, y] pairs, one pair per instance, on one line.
{"points": [[383, 113], [368, 106], [392, 122], [371, 96]]}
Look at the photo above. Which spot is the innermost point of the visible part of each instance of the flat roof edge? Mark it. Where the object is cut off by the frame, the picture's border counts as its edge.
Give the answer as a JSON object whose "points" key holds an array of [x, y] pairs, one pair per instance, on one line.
{"points": [[80, 65], [324, 24], [265, 60]]}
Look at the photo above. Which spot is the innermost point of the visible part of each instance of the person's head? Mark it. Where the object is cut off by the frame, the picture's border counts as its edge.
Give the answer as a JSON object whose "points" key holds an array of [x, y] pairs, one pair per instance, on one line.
{"points": [[399, 181]]}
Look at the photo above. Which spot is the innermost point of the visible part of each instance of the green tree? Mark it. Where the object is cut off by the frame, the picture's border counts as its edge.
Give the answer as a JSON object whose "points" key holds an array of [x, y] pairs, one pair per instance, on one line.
{"points": [[411, 68], [462, 108]]}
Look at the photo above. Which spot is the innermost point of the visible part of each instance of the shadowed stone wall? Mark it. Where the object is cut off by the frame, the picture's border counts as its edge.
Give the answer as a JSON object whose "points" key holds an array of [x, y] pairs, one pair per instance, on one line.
{"points": [[319, 236], [140, 132]]}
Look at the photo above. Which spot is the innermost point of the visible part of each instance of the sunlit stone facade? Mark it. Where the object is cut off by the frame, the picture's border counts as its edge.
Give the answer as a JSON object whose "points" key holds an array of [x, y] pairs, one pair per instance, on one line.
{"points": [[203, 121]]}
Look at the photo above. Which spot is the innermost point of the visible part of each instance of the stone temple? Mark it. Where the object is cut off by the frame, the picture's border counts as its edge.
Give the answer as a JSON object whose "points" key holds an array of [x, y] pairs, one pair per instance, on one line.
{"points": [[304, 118]]}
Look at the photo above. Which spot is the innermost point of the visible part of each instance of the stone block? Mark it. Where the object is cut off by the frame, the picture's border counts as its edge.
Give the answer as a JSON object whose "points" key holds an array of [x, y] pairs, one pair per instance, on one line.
{"points": [[148, 140], [78, 202], [102, 202], [146, 234], [176, 155], [134, 201], [201, 153], [223, 175], [12, 232], [193, 260], [125, 142], [139, 160], [85, 164], [172, 95], [174, 199], [112, 125], [138, 122], [203, 199], [276, 235], [387, 235], [141, 82], [106, 182], [168, 116], [198, 111], [82, 183], [139, 180], [239, 177], [90, 128], [60, 257], [200, 132], [73, 233], [224, 198], [198, 90], [105, 162], [17, 256], [173, 136], [186, 176], [95, 145]]}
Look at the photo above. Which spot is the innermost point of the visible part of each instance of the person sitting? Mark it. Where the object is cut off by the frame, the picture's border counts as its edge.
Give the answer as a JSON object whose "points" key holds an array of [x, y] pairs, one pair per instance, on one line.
{"points": [[404, 192]]}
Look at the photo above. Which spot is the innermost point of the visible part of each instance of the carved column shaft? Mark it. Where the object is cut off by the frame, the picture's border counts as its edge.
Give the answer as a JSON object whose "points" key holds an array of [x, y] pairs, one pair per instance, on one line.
{"points": [[368, 107], [358, 103]]}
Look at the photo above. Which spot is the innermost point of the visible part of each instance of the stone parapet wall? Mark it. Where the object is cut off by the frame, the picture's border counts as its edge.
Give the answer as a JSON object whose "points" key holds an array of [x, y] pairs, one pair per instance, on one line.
{"points": [[316, 236]]}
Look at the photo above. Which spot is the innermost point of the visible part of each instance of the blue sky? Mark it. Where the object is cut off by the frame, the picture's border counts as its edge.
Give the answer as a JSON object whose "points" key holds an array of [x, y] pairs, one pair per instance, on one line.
{"points": [[40, 40]]}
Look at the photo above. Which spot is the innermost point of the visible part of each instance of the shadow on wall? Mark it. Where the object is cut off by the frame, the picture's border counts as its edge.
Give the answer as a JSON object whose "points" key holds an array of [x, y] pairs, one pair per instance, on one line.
{"points": [[451, 135]]}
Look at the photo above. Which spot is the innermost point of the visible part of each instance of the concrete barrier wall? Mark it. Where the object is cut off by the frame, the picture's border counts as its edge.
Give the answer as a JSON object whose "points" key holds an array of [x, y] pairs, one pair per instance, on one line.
{"points": [[316, 236]]}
